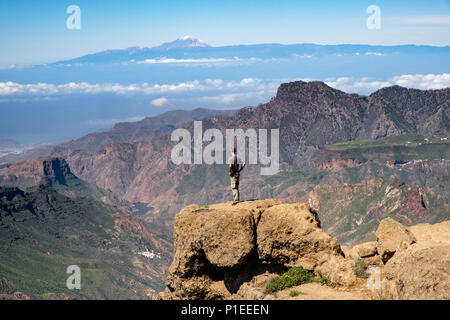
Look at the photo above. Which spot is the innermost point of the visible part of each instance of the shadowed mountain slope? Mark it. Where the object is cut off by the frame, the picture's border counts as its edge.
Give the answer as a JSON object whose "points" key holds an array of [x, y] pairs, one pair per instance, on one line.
{"points": [[43, 232]]}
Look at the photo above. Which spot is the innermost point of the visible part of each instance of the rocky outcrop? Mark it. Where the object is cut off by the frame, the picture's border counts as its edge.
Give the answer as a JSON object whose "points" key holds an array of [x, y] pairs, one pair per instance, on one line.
{"points": [[366, 251], [414, 261], [56, 173], [439, 232], [221, 249]]}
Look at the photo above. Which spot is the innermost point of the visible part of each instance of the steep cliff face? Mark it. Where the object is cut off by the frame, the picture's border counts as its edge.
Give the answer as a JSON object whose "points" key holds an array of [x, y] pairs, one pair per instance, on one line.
{"points": [[56, 173], [34, 172], [232, 252]]}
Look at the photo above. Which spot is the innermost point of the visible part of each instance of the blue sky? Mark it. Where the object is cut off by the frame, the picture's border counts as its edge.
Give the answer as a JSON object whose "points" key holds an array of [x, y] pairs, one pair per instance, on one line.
{"points": [[35, 31], [41, 103]]}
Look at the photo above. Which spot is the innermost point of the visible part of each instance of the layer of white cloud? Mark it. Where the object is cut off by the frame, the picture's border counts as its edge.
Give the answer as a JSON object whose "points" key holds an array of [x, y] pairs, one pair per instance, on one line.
{"points": [[214, 61], [214, 90], [13, 88], [160, 102], [377, 54], [47, 89], [184, 61], [368, 85], [420, 81], [234, 98], [302, 56]]}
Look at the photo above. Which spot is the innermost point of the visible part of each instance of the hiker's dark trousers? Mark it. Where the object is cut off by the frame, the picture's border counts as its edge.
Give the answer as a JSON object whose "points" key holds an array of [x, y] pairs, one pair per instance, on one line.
{"points": [[235, 188]]}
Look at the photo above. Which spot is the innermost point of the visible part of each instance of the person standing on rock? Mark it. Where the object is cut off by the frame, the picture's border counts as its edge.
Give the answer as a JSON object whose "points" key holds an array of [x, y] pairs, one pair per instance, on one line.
{"points": [[234, 170]]}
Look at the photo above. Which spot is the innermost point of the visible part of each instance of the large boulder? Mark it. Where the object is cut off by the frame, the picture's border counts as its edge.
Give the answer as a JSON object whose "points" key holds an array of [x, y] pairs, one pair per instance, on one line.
{"points": [[226, 240], [420, 271], [392, 235], [366, 251], [290, 234], [211, 240]]}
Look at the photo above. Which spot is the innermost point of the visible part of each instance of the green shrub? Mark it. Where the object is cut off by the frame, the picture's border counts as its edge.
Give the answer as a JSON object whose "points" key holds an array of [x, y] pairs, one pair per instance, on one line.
{"points": [[293, 277], [294, 293], [360, 269], [296, 276], [322, 279]]}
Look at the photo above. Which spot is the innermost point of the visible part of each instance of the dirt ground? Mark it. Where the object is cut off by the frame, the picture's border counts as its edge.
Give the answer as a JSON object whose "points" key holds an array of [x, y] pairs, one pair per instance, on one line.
{"points": [[316, 291]]}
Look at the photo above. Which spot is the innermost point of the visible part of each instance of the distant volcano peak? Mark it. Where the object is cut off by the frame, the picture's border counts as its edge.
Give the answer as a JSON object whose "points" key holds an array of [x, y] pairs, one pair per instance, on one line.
{"points": [[187, 37], [184, 42]]}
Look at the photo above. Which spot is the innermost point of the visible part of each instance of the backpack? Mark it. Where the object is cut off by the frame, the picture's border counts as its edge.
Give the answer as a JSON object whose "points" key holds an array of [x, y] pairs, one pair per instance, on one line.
{"points": [[235, 167]]}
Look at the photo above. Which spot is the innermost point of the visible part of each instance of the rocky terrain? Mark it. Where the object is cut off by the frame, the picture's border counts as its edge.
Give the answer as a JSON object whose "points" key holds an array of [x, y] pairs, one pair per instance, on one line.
{"points": [[232, 252]]}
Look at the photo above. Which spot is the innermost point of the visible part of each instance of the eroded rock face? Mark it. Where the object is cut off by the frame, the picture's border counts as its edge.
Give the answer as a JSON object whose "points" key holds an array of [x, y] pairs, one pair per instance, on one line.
{"points": [[224, 237], [220, 248], [290, 234]]}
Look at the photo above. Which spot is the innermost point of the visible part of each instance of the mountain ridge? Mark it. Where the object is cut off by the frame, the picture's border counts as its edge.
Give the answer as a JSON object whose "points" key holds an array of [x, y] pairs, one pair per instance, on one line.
{"points": [[176, 49], [182, 43]]}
